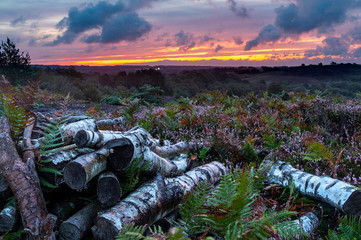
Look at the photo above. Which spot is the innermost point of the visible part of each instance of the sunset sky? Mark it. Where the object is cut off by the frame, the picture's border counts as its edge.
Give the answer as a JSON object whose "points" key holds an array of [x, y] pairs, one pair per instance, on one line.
{"points": [[184, 32]]}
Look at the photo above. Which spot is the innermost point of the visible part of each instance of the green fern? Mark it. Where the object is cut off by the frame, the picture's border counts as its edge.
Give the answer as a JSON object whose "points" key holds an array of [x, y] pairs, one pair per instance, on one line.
{"points": [[348, 229], [16, 114], [52, 139], [131, 232], [47, 184], [177, 233], [228, 212], [131, 177]]}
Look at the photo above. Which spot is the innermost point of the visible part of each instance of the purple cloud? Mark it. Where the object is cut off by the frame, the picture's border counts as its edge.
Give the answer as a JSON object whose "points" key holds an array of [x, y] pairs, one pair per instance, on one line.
{"points": [[184, 41], [333, 46], [269, 33]]}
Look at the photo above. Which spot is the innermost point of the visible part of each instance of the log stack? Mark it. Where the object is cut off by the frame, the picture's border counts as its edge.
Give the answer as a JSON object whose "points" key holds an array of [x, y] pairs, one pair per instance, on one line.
{"points": [[89, 194]]}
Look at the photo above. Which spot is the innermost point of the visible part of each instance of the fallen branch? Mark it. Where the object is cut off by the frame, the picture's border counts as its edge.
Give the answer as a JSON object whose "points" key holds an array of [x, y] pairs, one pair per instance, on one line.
{"points": [[154, 200], [25, 185], [337, 193]]}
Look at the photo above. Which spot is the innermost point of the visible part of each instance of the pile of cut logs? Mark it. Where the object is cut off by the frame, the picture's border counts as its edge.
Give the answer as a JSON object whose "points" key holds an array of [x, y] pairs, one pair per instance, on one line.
{"points": [[92, 162]]}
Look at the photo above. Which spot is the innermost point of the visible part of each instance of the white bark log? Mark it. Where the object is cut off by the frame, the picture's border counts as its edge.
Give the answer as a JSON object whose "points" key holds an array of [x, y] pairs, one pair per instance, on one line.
{"points": [[168, 168], [173, 150], [307, 223], [154, 200], [80, 171], [107, 122], [337, 193], [68, 131], [59, 160]]}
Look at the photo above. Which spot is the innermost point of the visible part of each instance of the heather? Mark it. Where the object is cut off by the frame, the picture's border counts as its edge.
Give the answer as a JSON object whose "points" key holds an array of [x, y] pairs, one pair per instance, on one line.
{"points": [[316, 134]]}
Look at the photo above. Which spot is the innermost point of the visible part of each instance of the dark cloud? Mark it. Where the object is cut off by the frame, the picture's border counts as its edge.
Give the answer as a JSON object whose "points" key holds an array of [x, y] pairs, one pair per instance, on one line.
{"points": [[18, 21], [205, 39], [306, 15], [218, 48], [184, 41], [238, 40], [239, 11], [333, 46], [128, 27], [301, 16], [269, 33], [116, 22]]}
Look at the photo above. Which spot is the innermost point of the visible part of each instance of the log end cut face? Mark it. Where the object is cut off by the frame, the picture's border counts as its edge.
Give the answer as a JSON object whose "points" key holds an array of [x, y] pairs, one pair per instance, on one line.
{"points": [[109, 192], [104, 229], [352, 205], [70, 231], [81, 138], [75, 176], [122, 154]]}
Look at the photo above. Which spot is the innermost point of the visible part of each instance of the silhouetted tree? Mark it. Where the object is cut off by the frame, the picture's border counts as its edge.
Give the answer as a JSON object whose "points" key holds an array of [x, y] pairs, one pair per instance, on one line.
{"points": [[11, 57]]}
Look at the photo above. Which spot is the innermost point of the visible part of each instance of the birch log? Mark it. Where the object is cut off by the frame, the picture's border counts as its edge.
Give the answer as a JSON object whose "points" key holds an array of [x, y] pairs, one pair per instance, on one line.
{"points": [[107, 122], [58, 160], [307, 223], [80, 171], [337, 193], [77, 226], [109, 190], [154, 200], [7, 219], [26, 188], [168, 168], [173, 150], [69, 130]]}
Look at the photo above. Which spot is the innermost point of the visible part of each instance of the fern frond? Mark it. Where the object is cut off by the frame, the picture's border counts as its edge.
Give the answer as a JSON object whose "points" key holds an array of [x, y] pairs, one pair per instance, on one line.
{"points": [[348, 229], [131, 177], [131, 232], [49, 170], [177, 233], [16, 114], [47, 184]]}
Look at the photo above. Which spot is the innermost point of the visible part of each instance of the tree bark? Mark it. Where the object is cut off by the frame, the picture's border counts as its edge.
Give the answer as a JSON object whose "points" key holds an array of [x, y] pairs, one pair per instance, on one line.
{"points": [[25, 185], [337, 193], [109, 190], [3, 183], [154, 200], [7, 219], [77, 226]]}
